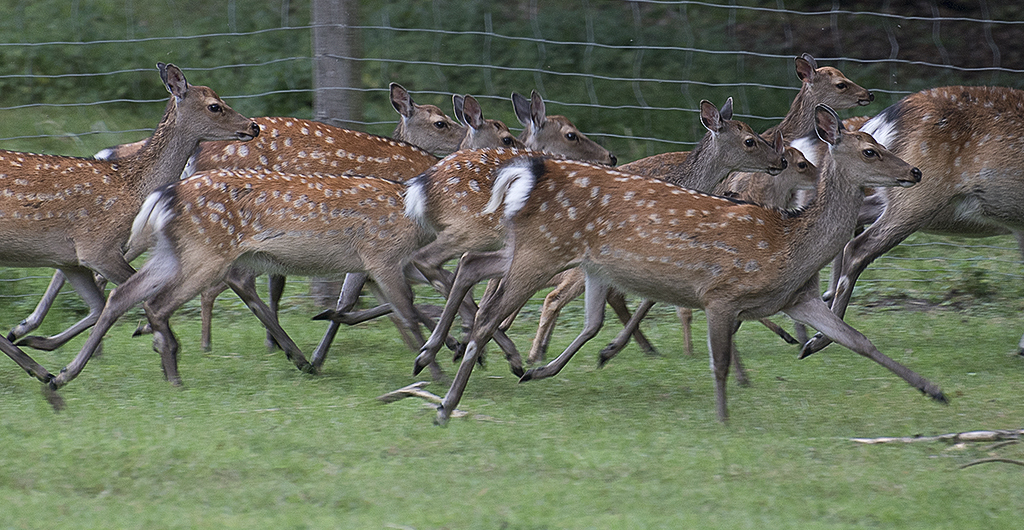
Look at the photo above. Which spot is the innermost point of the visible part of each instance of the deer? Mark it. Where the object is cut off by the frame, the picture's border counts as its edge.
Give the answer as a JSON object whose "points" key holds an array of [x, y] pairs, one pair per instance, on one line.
{"points": [[218, 221], [819, 85], [457, 233], [775, 192], [729, 145], [75, 214], [301, 146], [735, 260], [968, 141]]}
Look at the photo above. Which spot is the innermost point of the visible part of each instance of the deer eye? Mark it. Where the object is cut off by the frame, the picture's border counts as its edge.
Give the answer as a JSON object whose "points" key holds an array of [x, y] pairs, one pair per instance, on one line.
{"points": [[841, 86], [506, 140], [870, 153], [749, 142], [571, 136], [215, 108], [440, 124], [802, 165]]}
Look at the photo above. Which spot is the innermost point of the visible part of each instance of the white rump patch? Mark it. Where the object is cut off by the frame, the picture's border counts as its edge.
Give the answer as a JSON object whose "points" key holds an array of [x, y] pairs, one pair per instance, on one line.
{"points": [[513, 185], [416, 201], [882, 130]]}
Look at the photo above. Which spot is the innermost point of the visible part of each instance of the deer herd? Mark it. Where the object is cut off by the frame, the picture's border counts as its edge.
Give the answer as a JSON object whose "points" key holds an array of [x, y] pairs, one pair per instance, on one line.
{"points": [[739, 227]]}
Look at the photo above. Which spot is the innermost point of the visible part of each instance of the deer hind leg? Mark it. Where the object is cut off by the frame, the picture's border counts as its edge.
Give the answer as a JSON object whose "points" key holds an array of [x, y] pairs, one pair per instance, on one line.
{"points": [[347, 300], [721, 326], [275, 290], [246, 290], [1020, 244], [473, 267], [616, 345], [154, 276], [811, 310], [84, 282], [617, 301], [596, 294], [31, 322], [515, 288], [572, 285]]}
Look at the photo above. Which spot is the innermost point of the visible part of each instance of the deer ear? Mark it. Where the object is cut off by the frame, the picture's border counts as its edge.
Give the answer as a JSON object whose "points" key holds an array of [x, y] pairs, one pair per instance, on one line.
{"points": [[726, 111], [779, 143], [173, 79], [459, 104], [401, 100], [827, 124], [805, 67], [710, 118], [521, 106], [472, 112], [537, 111]]}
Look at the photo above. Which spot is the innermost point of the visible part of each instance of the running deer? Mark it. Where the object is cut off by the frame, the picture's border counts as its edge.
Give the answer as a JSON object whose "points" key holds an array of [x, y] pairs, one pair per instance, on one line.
{"points": [[457, 233], [969, 142], [728, 145], [735, 260], [819, 85], [287, 144], [264, 221], [75, 214]]}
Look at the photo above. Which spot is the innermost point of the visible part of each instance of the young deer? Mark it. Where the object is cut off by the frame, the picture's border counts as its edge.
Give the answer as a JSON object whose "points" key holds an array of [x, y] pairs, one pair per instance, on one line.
{"points": [[819, 85], [75, 214], [737, 261], [968, 141], [729, 145]]}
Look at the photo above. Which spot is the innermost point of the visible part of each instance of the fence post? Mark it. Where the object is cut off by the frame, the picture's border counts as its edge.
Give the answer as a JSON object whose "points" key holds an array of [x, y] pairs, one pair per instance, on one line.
{"points": [[334, 42]]}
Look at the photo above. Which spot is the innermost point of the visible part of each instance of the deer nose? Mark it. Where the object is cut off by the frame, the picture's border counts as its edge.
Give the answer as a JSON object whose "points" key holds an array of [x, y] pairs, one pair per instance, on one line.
{"points": [[613, 159], [255, 128], [916, 173]]}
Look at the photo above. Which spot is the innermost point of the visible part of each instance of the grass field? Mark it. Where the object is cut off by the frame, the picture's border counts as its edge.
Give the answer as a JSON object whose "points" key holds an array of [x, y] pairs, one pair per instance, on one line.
{"points": [[249, 442]]}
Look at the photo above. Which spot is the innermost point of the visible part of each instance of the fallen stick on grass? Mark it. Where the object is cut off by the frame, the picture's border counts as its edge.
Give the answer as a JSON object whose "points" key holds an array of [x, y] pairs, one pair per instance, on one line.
{"points": [[970, 436]]}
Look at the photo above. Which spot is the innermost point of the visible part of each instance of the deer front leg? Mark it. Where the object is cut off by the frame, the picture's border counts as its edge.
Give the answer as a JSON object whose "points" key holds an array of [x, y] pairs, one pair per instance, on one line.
{"points": [[720, 331], [33, 321]]}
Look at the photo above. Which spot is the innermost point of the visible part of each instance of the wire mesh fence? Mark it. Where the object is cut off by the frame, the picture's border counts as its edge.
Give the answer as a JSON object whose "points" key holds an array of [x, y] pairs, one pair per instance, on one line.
{"points": [[76, 77]]}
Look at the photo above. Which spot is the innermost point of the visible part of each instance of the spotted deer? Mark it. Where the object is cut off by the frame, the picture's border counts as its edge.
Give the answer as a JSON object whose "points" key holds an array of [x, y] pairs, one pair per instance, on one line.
{"points": [[735, 260], [75, 214], [458, 233], [729, 145], [301, 146], [819, 85], [265, 221], [968, 141]]}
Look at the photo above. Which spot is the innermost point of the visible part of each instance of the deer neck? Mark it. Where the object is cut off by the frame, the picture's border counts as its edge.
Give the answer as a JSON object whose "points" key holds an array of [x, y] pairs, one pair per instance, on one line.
{"points": [[162, 159], [827, 223], [799, 121], [702, 169]]}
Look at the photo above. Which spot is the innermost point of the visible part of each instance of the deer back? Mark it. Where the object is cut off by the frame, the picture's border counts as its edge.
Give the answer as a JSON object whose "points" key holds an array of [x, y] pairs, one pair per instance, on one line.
{"points": [[294, 145], [272, 220]]}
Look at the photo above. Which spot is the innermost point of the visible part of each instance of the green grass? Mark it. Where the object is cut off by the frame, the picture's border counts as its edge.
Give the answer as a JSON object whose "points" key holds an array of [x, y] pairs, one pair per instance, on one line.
{"points": [[251, 442]]}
